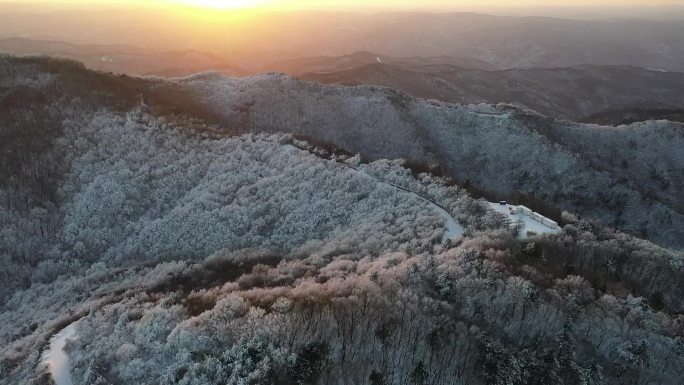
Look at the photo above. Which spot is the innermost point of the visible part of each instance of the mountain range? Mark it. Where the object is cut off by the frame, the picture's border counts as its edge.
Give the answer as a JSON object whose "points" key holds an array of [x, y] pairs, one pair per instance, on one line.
{"points": [[602, 94], [504, 42], [276, 231], [204, 196], [597, 171], [610, 95]]}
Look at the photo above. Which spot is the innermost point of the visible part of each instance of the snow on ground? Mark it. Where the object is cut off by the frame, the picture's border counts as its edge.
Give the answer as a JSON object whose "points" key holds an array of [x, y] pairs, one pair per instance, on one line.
{"points": [[529, 225], [453, 228], [56, 359]]}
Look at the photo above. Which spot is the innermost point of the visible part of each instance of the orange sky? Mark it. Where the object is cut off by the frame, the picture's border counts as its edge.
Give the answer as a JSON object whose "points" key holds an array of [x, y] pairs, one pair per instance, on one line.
{"points": [[377, 4], [422, 3]]}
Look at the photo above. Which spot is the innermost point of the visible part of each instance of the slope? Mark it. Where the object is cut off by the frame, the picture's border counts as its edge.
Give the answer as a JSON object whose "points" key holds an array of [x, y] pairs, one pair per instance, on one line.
{"points": [[500, 148], [583, 93]]}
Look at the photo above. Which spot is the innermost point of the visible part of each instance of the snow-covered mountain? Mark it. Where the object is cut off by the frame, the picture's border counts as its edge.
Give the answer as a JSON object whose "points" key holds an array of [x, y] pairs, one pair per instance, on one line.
{"points": [[595, 171], [213, 230], [627, 176]]}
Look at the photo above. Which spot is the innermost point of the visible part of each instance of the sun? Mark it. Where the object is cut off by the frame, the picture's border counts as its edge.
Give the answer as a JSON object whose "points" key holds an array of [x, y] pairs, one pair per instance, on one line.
{"points": [[223, 4]]}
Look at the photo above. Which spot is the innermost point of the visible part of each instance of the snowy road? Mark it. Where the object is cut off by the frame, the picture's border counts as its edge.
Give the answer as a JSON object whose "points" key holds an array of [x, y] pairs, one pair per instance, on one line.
{"points": [[453, 228], [56, 358], [58, 362]]}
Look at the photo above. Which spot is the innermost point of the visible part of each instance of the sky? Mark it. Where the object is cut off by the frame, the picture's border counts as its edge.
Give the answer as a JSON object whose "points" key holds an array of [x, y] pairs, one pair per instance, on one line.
{"points": [[375, 4]]}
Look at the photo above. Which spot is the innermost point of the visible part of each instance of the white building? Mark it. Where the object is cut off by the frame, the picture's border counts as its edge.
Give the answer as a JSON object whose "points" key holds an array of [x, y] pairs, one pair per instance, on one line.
{"points": [[532, 223]]}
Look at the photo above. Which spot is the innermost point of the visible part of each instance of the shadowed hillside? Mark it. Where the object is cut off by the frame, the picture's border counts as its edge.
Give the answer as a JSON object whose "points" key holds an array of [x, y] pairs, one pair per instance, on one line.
{"points": [[592, 170], [626, 177], [600, 94]]}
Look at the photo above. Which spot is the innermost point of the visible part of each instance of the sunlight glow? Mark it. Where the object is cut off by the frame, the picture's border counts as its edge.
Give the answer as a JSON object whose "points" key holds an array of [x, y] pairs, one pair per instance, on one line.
{"points": [[222, 4], [351, 5]]}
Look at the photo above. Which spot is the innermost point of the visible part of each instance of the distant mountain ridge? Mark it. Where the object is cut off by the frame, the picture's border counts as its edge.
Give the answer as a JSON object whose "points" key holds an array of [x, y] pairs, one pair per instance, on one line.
{"points": [[502, 41], [124, 58], [593, 94], [577, 93], [138, 61], [325, 64]]}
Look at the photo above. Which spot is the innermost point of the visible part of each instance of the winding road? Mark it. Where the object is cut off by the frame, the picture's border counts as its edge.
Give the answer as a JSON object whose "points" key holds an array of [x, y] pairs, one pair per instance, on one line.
{"points": [[58, 362], [56, 358], [453, 228]]}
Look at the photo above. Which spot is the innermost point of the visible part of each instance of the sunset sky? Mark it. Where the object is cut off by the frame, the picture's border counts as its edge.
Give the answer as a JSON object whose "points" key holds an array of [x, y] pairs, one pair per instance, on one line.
{"points": [[302, 4]]}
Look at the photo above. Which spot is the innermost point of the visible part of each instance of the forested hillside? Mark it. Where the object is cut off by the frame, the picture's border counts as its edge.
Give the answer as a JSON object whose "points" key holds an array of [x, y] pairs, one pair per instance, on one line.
{"points": [[577, 167], [197, 238]]}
